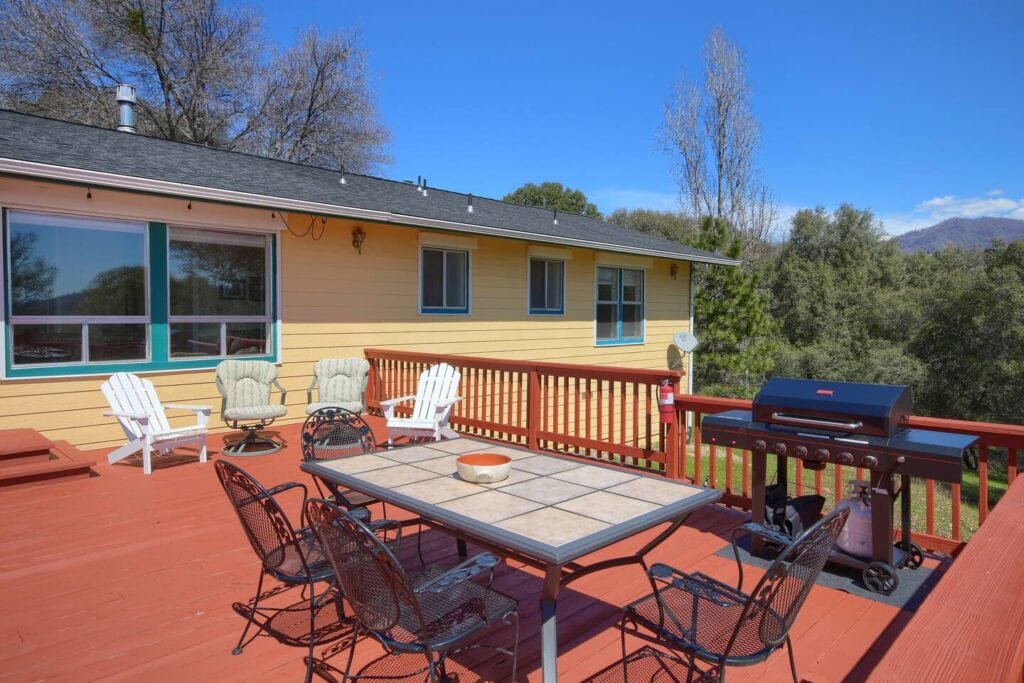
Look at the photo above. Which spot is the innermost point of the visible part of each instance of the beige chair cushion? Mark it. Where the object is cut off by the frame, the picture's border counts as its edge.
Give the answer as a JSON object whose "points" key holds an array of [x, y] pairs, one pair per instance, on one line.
{"points": [[341, 382]]}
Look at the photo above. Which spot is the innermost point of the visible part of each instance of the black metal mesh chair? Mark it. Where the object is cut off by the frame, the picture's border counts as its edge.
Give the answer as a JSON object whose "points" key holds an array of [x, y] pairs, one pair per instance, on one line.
{"points": [[431, 613], [292, 556], [332, 433], [721, 625]]}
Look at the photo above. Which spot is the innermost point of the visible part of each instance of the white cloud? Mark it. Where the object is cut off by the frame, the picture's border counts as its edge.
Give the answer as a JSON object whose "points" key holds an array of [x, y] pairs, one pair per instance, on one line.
{"points": [[610, 198], [938, 209]]}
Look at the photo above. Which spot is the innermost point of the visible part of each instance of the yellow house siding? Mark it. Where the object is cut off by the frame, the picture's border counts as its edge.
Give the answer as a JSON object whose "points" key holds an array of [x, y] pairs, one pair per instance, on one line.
{"points": [[336, 302]]}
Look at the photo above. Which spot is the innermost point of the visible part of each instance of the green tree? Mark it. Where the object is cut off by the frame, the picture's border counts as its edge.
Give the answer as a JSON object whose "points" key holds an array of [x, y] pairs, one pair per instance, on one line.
{"points": [[732, 320], [667, 224], [972, 338], [555, 196], [844, 301]]}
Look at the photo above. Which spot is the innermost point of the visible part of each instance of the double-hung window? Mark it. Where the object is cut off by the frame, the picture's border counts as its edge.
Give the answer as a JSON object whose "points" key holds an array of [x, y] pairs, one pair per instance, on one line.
{"points": [[77, 290], [95, 295], [620, 306], [444, 281], [547, 286]]}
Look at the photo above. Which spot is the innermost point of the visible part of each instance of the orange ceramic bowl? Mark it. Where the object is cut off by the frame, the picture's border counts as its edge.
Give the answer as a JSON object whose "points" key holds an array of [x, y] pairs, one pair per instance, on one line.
{"points": [[483, 468]]}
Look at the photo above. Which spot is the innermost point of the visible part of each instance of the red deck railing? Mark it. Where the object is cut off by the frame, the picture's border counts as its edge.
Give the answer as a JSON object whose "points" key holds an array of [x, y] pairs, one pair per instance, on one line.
{"points": [[611, 413], [603, 412]]}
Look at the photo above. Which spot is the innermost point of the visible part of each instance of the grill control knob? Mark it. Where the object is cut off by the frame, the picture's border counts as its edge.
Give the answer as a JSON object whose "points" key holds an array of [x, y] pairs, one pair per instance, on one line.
{"points": [[821, 454], [779, 448], [800, 451], [870, 461], [760, 445], [846, 458]]}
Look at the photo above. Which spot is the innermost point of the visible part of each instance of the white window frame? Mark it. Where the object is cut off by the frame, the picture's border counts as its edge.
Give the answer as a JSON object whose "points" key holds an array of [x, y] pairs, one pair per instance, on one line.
{"points": [[224, 320], [15, 320]]}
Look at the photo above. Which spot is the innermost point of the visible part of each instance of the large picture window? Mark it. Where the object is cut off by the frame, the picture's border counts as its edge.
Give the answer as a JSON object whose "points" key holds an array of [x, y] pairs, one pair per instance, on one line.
{"points": [[76, 290], [444, 281], [87, 295], [219, 304], [620, 306], [547, 286]]}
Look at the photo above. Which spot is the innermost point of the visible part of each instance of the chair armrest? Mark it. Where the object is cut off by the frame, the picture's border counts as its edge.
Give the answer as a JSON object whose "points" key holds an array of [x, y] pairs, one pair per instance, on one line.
{"points": [[194, 409], [465, 571], [383, 526], [447, 404], [287, 486], [284, 392], [754, 529], [309, 391], [141, 417], [396, 401], [698, 584]]}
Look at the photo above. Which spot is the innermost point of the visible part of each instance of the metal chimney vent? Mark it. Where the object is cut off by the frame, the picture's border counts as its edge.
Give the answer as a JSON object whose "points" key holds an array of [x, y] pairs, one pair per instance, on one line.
{"points": [[126, 103]]}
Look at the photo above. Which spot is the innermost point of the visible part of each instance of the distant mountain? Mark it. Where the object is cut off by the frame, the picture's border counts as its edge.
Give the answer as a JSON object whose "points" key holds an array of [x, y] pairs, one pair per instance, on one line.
{"points": [[970, 233]]}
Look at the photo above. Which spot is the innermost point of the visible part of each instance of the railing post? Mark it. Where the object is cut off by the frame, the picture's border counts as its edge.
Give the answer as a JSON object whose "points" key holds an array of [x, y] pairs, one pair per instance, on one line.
{"points": [[672, 446], [373, 397], [533, 409]]}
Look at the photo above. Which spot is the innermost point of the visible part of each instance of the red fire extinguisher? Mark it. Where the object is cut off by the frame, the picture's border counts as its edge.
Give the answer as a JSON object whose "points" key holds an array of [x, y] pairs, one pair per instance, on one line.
{"points": [[666, 402]]}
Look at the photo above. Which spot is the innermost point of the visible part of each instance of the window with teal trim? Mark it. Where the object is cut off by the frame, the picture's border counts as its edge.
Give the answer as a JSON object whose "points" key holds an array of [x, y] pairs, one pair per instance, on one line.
{"points": [[219, 298], [620, 306], [93, 295], [76, 290]]}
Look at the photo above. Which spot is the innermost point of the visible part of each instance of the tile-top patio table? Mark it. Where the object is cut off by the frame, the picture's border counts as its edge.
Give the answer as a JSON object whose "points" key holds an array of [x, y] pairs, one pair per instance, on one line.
{"points": [[550, 511]]}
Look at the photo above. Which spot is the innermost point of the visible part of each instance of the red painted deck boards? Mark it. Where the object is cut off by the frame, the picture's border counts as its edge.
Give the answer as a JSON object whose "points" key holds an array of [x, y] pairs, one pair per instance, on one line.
{"points": [[127, 577]]}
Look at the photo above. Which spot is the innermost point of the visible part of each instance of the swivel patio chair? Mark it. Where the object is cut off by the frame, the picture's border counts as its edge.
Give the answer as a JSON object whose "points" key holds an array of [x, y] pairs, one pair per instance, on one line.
{"points": [[431, 613], [133, 401], [709, 620], [245, 387], [339, 383], [436, 394], [331, 433], [290, 555]]}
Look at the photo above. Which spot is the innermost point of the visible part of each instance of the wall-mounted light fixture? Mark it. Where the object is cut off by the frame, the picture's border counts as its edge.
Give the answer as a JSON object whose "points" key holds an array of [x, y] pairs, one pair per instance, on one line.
{"points": [[358, 237], [88, 193], [673, 270]]}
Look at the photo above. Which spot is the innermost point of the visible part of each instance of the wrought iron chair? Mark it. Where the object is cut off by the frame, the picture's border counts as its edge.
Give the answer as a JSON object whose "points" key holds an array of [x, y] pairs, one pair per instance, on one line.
{"points": [[431, 613], [331, 433], [292, 556], [711, 621]]}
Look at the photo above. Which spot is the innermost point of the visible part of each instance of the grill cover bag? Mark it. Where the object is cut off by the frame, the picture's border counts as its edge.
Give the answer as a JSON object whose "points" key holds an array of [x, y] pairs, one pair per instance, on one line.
{"points": [[791, 515]]}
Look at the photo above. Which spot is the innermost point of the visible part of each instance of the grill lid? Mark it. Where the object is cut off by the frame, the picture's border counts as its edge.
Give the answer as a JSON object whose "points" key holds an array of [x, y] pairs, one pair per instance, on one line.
{"points": [[850, 407]]}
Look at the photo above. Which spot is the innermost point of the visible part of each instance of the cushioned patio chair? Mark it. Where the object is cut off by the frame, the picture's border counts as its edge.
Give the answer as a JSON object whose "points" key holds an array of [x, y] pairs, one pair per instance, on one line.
{"points": [[433, 613], [245, 387], [133, 401], [339, 383], [711, 621], [332, 433], [436, 394]]}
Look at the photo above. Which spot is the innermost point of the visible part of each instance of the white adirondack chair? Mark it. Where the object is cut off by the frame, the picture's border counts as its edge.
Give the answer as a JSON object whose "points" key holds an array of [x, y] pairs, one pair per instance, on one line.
{"points": [[133, 401], [434, 398]]}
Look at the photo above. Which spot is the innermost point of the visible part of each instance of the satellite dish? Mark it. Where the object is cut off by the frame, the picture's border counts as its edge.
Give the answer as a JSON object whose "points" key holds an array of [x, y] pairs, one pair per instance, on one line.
{"points": [[685, 341]]}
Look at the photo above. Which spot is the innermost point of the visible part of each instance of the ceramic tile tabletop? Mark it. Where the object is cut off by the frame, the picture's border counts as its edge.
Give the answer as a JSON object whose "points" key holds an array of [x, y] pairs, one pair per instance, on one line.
{"points": [[547, 499]]}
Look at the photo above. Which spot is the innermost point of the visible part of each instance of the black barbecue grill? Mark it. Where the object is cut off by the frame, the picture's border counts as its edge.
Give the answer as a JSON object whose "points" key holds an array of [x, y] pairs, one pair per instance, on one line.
{"points": [[845, 423]]}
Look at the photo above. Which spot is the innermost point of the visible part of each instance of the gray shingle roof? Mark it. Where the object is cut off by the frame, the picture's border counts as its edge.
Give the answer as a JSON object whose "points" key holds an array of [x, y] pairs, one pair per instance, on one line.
{"points": [[273, 183]]}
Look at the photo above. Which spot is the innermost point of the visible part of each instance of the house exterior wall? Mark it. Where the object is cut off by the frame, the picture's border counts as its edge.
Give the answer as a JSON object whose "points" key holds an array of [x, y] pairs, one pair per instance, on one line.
{"points": [[334, 302]]}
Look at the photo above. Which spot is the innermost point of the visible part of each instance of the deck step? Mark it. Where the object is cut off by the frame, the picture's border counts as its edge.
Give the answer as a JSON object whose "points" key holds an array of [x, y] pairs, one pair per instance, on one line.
{"points": [[22, 446], [25, 462]]}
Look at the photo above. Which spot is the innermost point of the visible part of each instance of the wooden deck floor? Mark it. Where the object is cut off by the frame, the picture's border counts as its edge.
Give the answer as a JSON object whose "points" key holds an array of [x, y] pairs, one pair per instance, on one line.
{"points": [[129, 577]]}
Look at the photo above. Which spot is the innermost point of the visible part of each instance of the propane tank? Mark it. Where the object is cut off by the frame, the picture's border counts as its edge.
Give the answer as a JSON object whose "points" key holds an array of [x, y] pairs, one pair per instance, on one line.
{"points": [[855, 538], [666, 402]]}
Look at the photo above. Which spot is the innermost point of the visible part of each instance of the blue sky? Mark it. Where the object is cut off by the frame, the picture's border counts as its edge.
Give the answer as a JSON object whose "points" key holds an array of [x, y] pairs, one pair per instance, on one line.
{"points": [[914, 110]]}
